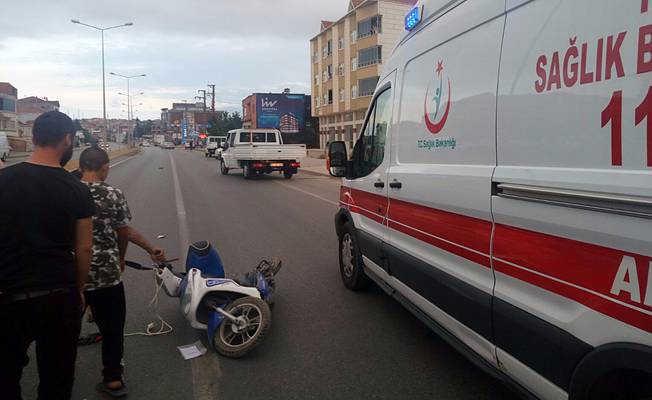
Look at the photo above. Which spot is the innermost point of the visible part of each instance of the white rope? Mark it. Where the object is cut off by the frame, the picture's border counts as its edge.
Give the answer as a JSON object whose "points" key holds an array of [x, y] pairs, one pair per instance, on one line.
{"points": [[163, 327]]}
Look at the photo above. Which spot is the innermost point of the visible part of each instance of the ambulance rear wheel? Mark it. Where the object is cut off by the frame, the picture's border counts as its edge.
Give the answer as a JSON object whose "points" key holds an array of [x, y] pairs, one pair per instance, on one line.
{"points": [[623, 385], [223, 169]]}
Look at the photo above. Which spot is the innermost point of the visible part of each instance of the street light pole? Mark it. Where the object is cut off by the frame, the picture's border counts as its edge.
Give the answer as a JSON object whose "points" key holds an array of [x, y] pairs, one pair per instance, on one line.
{"points": [[128, 78], [129, 106], [104, 91], [76, 21]]}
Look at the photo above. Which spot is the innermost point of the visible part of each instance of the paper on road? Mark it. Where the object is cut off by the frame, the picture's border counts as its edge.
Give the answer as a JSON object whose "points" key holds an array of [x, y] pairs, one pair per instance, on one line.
{"points": [[194, 350]]}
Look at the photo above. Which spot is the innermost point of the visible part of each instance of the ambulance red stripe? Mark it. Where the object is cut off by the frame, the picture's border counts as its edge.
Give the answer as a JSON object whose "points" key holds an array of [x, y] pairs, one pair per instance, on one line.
{"points": [[579, 271]]}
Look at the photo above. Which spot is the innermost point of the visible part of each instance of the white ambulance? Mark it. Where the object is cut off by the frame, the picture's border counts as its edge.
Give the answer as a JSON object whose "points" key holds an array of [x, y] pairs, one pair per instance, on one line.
{"points": [[501, 189]]}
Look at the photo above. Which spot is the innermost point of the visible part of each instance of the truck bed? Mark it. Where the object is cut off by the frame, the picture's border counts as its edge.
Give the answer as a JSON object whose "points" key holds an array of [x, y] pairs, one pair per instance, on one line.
{"points": [[255, 152]]}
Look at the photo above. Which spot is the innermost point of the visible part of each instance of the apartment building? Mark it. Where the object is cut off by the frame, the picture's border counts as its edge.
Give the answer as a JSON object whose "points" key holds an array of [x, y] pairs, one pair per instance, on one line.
{"points": [[346, 61], [8, 115]]}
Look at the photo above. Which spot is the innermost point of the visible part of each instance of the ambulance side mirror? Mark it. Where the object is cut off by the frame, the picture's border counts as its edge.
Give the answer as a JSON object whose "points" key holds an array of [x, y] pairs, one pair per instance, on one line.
{"points": [[337, 159]]}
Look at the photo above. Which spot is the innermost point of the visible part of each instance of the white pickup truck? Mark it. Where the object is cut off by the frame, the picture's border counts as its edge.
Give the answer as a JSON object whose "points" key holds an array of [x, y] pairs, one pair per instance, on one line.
{"points": [[260, 151], [212, 144]]}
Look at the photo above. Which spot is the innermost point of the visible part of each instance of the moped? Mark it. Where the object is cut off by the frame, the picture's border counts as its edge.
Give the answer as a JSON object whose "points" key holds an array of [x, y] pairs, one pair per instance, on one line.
{"points": [[235, 312]]}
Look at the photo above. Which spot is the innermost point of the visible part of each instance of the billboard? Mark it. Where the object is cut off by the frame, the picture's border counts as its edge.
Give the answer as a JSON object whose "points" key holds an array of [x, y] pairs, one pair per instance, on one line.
{"points": [[285, 112]]}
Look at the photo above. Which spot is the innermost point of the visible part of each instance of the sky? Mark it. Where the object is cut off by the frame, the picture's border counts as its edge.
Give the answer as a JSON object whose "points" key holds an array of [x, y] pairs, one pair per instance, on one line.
{"points": [[241, 46]]}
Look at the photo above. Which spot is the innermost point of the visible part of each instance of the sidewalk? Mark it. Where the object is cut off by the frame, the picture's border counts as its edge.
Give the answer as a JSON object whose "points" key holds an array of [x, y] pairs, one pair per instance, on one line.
{"points": [[314, 166]]}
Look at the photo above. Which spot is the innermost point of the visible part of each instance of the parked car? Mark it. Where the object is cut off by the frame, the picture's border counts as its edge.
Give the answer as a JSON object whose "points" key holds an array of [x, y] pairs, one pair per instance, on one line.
{"points": [[497, 193], [5, 148], [260, 151], [168, 146]]}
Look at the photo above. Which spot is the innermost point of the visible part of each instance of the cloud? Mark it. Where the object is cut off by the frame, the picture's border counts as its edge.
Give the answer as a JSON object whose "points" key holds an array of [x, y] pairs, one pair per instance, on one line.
{"points": [[241, 46]]}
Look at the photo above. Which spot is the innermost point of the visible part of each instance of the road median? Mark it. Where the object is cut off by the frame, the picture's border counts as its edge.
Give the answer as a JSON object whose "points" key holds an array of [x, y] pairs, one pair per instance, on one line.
{"points": [[74, 164]]}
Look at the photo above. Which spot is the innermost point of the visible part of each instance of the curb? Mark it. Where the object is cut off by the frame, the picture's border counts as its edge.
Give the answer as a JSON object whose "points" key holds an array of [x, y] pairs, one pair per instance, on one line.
{"points": [[74, 164], [307, 171]]}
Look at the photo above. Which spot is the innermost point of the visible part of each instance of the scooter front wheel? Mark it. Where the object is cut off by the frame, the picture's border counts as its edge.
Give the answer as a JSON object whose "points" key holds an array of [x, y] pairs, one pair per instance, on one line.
{"points": [[235, 339]]}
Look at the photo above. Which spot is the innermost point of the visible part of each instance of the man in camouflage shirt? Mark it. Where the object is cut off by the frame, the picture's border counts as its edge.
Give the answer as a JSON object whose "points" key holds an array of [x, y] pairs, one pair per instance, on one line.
{"points": [[104, 289]]}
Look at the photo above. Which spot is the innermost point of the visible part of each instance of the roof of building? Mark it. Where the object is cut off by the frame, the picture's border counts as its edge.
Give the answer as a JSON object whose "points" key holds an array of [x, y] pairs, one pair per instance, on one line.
{"points": [[38, 100], [35, 105], [353, 5], [8, 88], [326, 24]]}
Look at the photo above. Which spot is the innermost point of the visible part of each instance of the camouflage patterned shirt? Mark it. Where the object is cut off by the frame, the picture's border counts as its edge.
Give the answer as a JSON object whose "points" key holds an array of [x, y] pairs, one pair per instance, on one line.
{"points": [[111, 213]]}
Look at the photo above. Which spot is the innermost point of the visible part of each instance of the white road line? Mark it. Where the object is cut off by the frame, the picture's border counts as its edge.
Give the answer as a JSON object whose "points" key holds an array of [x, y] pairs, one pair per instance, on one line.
{"points": [[121, 161], [308, 193], [206, 369]]}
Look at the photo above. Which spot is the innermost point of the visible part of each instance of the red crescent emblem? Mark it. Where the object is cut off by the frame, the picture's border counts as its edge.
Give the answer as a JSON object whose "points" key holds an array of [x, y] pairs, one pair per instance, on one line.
{"points": [[436, 127]]}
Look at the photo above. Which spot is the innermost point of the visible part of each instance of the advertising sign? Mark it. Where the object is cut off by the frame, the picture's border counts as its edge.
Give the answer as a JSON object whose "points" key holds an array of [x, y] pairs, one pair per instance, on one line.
{"points": [[184, 131], [285, 112]]}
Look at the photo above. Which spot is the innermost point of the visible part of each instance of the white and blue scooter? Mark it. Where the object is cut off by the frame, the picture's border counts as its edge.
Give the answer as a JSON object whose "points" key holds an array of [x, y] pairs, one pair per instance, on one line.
{"points": [[235, 312]]}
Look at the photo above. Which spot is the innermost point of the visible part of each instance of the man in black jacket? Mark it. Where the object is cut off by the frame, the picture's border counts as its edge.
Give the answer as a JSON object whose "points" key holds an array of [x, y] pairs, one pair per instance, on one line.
{"points": [[45, 251]]}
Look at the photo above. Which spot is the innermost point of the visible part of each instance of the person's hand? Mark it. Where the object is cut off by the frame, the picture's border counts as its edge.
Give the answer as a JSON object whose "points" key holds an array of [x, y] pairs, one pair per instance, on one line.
{"points": [[82, 300], [122, 265], [157, 254]]}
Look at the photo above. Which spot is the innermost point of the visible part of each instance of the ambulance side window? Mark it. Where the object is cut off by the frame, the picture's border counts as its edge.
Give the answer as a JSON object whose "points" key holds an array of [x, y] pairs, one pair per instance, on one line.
{"points": [[369, 150]]}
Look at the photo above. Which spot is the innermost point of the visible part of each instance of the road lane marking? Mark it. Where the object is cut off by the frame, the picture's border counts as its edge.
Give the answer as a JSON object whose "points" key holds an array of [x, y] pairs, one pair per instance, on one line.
{"points": [[121, 161], [308, 193], [206, 369]]}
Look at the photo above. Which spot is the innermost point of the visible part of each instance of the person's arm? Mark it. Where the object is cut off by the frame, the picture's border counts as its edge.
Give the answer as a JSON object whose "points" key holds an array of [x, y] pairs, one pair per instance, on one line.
{"points": [[139, 240], [123, 242], [83, 251]]}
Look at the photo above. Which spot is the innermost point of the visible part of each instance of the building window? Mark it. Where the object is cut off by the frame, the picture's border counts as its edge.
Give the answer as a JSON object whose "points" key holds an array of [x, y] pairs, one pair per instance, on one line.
{"points": [[341, 94], [369, 56], [330, 96], [354, 64], [7, 105], [340, 43], [317, 79], [325, 99], [354, 92], [369, 27], [340, 70], [315, 56], [328, 49], [354, 36], [367, 86], [329, 71]]}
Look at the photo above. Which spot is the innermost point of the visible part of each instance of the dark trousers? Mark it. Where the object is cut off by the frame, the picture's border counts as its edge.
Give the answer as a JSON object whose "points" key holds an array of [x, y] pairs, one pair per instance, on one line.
{"points": [[109, 310], [52, 322]]}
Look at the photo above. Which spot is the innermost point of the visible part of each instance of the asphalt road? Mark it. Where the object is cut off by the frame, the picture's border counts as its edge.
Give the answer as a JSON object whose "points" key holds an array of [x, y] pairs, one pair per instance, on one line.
{"points": [[326, 342]]}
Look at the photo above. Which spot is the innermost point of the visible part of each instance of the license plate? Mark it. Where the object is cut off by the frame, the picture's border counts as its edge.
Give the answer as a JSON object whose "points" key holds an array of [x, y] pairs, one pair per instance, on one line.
{"points": [[276, 164]]}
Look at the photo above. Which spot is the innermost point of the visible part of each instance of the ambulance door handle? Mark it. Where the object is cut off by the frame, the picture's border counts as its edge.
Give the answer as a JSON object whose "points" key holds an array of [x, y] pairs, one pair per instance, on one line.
{"points": [[395, 185], [379, 184]]}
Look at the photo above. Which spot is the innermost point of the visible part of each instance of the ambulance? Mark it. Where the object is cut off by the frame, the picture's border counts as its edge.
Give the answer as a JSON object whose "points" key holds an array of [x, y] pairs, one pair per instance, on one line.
{"points": [[501, 189]]}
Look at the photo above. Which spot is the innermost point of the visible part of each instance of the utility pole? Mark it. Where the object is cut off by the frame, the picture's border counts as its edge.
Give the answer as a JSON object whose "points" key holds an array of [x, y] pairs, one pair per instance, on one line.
{"points": [[203, 97], [212, 97]]}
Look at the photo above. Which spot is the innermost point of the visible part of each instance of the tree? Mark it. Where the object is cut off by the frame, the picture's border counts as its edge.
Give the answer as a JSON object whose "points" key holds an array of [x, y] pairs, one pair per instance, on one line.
{"points": [[223, 122]]}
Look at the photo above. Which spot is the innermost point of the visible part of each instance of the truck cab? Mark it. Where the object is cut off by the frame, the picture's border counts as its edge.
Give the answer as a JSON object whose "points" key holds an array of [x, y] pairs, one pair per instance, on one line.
{"points": [[213, 143]]}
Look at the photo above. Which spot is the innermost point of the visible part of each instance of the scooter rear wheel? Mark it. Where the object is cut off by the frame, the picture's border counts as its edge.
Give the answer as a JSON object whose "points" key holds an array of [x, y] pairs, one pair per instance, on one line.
{"points": [[235, 341]]}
